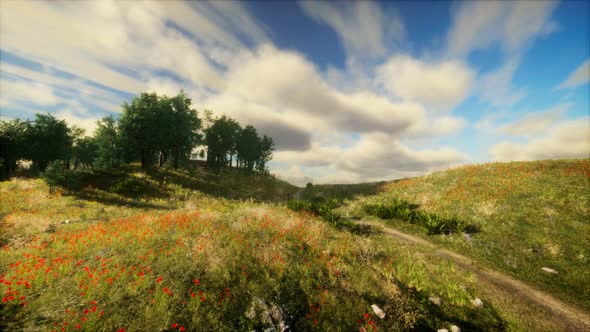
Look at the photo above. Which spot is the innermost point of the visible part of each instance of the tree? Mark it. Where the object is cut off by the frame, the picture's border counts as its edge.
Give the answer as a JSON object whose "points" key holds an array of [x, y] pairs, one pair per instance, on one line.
{"points": [[266, 147], [183, 129], [140, 128], [49, 140], [107, 142], [248, 147], [14, 137], [220, 138]]}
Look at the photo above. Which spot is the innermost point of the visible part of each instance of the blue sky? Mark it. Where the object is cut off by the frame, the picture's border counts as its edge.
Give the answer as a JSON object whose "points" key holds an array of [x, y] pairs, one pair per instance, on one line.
{"points": [[350, 91]]}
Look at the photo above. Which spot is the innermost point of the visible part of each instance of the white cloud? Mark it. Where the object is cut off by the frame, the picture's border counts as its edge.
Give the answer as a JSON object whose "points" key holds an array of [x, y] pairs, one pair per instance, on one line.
{"points": [[19, 91], [362, 26], [478, 25], [496, 85], [578, 77], [441, 85], [535, 123], [567, 139]]}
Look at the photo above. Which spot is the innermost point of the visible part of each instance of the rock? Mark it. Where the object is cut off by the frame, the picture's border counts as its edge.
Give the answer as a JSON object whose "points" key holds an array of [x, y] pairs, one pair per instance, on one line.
{"points": [[477, 302], [442, 330], [549, 270], [435, 300], [67, 221], [467, 237], [378, 311], [455, 328]]}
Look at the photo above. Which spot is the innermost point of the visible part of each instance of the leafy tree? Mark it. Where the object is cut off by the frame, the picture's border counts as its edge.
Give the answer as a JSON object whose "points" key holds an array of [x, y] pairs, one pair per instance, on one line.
{"points": [[49, 140], [107, 142], [220, 138], [248, 147], [86, 152], [140, 128], [182, 124], [266, 146], [14, 137]]}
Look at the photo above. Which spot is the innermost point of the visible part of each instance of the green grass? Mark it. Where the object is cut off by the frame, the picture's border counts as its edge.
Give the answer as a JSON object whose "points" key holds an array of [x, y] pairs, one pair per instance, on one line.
{"points": [[133, 253], [129, 260], [530, 215]]}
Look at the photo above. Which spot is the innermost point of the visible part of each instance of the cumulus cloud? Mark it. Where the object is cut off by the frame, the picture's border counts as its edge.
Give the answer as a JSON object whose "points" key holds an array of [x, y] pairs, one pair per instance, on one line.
{"points": [[513, 25], [578, 77], [93, 54], [567, 139], [362, 26], [441, 85]]}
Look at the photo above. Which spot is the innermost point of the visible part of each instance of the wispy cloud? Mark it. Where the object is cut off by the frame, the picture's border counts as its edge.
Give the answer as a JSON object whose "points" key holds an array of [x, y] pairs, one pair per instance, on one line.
{"points": [[578, 77]]}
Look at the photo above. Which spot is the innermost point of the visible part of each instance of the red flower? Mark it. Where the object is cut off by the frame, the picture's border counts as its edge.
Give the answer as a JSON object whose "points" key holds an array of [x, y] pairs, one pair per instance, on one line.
{"points": [[196, 281], [121, 330], [159, 279], [175, 325], [181, 328]]}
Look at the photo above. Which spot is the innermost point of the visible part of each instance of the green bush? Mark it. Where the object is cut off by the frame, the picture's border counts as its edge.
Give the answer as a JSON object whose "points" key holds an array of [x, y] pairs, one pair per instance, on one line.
{"points": [[130, 186], [298, 205], [56, 175], [309, 185]]}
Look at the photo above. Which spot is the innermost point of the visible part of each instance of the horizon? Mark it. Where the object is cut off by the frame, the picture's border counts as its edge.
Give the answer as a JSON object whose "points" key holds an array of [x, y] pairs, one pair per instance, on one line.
{"points": [[351, 93]]}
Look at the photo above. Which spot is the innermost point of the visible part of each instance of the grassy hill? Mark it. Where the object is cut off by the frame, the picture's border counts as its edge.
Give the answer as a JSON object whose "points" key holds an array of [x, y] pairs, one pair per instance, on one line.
{"points": [[530, 215], [204, 251]]}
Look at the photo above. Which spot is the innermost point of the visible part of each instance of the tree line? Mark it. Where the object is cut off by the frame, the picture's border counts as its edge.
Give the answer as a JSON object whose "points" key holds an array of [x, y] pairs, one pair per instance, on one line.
{"points": [[155, 130]]}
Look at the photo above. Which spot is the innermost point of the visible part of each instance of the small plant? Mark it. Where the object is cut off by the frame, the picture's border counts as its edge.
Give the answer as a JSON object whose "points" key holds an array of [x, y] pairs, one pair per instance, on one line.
{"points": [[298, 205], [434, 224]]}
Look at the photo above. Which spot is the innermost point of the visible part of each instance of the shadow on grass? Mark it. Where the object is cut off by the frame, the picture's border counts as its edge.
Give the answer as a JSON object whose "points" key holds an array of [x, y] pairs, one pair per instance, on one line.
{"points": [[112, 199]]}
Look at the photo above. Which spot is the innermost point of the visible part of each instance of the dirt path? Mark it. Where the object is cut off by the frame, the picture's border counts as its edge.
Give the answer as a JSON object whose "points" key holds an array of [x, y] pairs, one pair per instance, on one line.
{"points": [[563, 315]]}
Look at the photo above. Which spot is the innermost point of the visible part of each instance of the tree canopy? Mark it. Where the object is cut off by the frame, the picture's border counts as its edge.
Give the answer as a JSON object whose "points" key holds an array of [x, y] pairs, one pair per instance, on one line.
{"points": [[155, 130]]}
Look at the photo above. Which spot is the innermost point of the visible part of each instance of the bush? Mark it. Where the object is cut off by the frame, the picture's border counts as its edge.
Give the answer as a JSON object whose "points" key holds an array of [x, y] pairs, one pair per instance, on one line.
{"points": [[309, 185], [56, 175], [130, 186]]}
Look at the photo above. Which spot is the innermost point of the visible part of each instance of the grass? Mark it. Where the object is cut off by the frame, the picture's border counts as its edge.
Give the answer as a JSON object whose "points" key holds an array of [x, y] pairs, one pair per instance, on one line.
{"points": [[193, 260], [530, 215], [178, 253]]}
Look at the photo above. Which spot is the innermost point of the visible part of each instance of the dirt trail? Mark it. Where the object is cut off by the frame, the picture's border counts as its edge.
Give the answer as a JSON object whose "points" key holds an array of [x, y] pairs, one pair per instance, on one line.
{"points": [[563, 315]]}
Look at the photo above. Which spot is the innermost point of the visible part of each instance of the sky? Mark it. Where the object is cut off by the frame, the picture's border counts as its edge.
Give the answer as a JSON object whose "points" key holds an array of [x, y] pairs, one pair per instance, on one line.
{"points": [[349, 91]]}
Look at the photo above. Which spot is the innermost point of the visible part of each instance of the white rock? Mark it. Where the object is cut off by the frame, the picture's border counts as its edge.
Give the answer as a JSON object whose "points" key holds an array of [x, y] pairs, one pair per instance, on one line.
{"points": [[67, 221], [435, 300], [455, 328], [477, 302], [443, 330], [549, 270], [378, 311]]}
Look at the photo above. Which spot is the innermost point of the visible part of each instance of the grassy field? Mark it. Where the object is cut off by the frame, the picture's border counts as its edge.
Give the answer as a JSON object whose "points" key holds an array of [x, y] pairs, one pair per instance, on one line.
{"points": [[530, 215], [197, 251]]}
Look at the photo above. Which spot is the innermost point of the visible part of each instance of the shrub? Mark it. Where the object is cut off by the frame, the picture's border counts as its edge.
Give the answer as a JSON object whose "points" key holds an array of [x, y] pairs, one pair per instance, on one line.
{"points": [[56, 175], [298, 205], [309, 185], [129, 187]]}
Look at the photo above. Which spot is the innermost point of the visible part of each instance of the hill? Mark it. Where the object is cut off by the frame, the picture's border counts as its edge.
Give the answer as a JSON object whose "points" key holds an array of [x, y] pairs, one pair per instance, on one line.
{"points": [[200, 250], [529, 215]]}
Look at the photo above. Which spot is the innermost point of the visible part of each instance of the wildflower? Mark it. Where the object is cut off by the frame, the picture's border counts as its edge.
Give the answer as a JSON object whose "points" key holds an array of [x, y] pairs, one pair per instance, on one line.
{"points": [[159, 279], [196, 282], [181, 328], [175, 325]]}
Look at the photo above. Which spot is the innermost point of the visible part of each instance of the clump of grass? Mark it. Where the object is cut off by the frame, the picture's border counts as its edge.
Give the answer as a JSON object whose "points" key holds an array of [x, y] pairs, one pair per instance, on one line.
{"points": [[400, 209]]}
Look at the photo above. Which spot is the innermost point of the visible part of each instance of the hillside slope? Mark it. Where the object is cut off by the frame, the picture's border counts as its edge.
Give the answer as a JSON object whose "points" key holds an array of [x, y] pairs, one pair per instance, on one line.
{"points": [[530, 215]]}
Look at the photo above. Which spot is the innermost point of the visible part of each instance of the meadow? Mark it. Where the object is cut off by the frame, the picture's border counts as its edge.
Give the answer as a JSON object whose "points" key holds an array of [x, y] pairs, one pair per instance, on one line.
{"points": [[205, 251], [527, 215]]}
